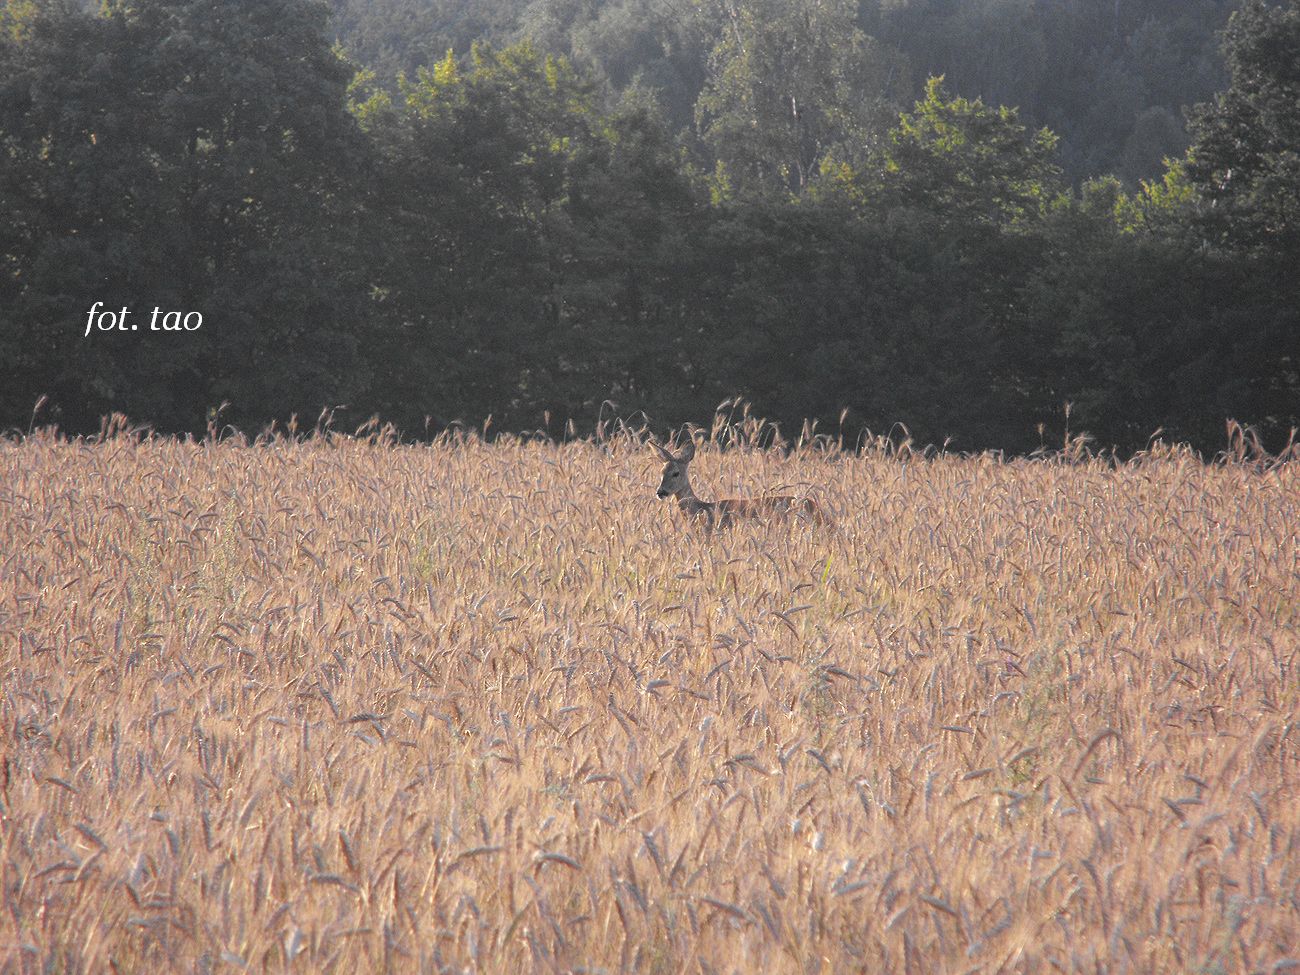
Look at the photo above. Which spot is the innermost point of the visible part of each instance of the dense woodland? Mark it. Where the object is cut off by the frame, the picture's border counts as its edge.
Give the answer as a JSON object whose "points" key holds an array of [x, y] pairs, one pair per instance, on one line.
{"points": [[1110, 78], [973, 218]]}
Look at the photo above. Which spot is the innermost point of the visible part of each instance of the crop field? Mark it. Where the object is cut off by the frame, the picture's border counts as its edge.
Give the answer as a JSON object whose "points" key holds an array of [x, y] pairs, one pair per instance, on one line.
{"points": [[343, 704]]}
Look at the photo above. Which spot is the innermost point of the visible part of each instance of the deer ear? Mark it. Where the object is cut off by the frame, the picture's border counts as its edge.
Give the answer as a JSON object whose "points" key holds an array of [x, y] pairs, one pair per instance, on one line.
{"points": [[687, 452], [663, 451]]}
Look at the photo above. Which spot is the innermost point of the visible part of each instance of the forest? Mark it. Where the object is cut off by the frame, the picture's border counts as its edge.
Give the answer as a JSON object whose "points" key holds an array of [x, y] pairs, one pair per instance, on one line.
{"points": [[1000, 224]]}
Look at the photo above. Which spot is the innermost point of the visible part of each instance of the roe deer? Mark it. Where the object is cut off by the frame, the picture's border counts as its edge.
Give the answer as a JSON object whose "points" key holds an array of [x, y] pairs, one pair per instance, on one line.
{"points": [[676, 482]]}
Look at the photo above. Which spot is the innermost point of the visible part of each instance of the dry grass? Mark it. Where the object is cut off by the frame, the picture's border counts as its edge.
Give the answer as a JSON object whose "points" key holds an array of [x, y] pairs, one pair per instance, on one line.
{"points": [[355, 706]]}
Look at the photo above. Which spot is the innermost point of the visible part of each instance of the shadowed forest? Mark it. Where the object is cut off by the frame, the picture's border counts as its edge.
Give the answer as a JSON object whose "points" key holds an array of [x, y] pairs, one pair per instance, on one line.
{"points": [[998, 223]]}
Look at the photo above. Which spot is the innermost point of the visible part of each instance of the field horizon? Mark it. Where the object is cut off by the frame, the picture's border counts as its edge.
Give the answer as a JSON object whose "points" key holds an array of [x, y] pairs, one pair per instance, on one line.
{"points": [[348, 704]]}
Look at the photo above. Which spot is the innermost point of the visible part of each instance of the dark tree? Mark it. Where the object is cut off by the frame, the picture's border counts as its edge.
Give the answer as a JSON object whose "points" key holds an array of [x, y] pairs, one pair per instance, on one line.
{"points": [[1245, 156], [1244, 166], [534, 244], [188, 156]]}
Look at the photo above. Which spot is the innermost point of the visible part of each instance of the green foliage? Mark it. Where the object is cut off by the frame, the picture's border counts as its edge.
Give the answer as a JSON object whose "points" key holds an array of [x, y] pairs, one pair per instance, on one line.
{"points": [[970, 163], [533, 239], [1244, 168], [788, 83], [1244, 161], [16, 18], [657, 46], [525, 232], [175, 154], [401, 36], [1163, 207], [1110, 78]]}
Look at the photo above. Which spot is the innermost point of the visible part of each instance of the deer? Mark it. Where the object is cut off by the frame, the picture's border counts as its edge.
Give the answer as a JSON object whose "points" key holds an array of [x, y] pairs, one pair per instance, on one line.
{"points": [[676, 482]]}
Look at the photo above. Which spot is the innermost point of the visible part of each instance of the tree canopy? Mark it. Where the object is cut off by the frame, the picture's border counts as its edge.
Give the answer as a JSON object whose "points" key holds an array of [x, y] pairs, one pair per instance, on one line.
{"points": [[537, 227]]}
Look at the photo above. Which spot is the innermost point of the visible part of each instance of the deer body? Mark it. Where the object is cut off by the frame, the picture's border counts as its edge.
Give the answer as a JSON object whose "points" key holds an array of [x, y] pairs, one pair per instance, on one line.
{"points": [[676, 483]]}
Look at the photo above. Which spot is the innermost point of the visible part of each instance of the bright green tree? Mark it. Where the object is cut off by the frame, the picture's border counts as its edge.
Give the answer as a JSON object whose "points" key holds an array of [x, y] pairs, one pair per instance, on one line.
{"points": [[969, 163]]}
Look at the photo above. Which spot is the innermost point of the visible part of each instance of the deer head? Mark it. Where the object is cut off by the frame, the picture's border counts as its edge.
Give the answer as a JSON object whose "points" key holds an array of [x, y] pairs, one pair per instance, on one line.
{"points": [[675, 480]]}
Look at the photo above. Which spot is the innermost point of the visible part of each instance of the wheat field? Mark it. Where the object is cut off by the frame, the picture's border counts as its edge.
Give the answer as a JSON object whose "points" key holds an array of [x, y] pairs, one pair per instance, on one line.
{"points": [[343, 704]]}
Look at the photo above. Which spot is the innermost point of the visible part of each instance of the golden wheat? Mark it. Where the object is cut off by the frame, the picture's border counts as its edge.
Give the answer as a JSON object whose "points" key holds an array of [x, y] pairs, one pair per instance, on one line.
{"points": [[348, 705]]}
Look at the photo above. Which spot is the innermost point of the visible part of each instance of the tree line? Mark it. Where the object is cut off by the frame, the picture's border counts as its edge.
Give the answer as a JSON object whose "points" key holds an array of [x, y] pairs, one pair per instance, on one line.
{"points": [[504, 233], [1110, 78]]}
